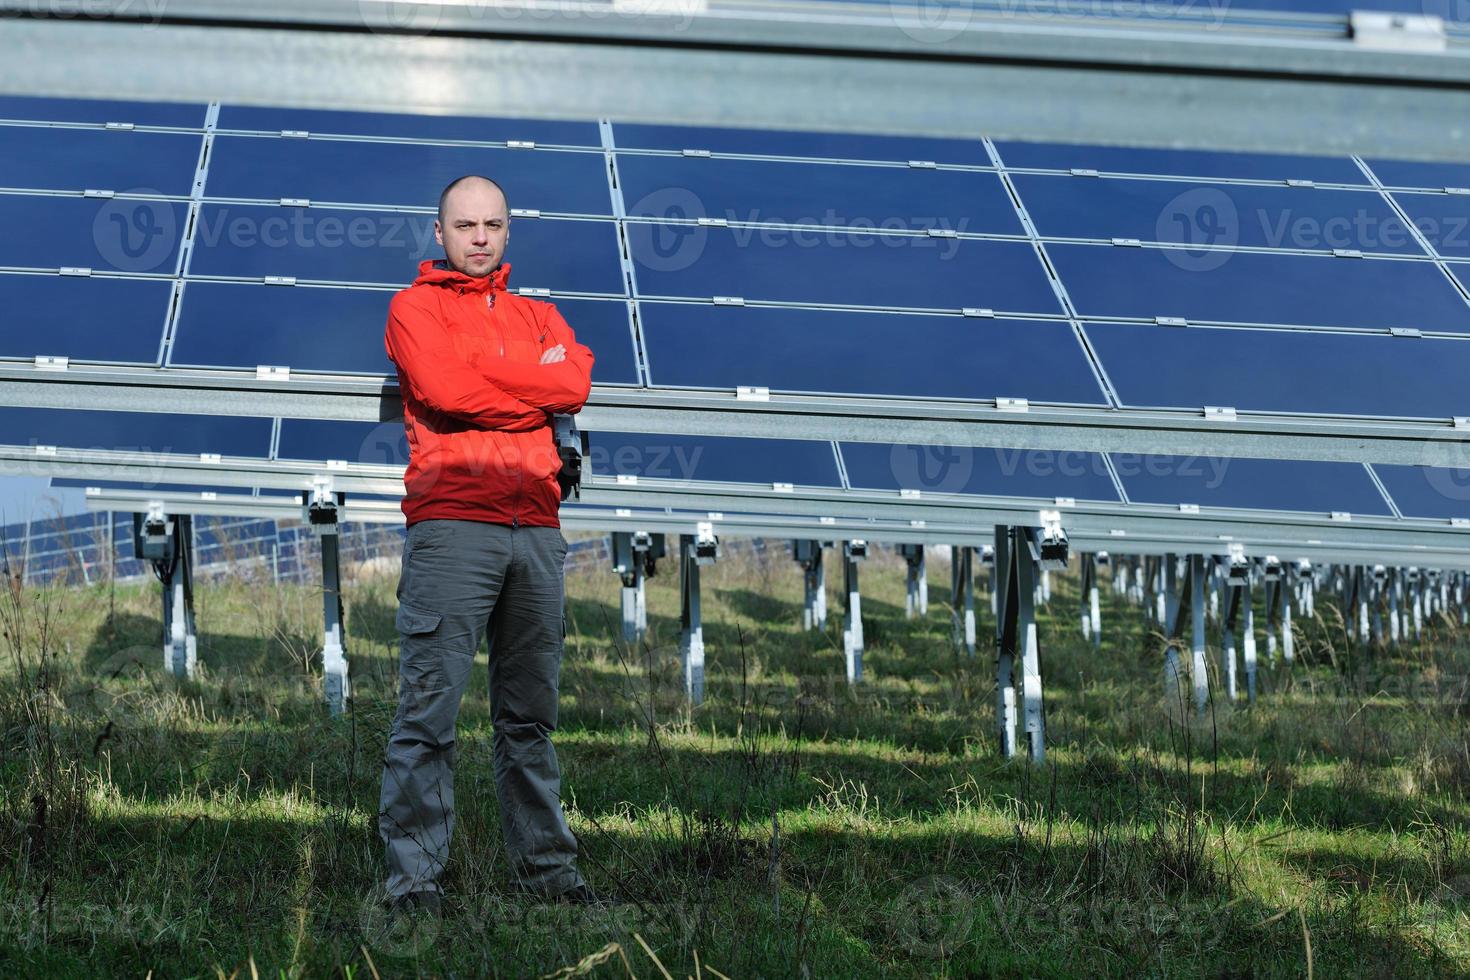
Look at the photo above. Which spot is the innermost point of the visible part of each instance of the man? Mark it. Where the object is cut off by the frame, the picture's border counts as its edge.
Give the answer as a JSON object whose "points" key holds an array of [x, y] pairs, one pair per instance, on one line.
{"points": [[481, 372]]}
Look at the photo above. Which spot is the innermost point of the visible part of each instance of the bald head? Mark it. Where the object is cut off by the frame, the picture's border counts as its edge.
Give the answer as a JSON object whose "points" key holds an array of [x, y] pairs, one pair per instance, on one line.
{"points": [[473, 224]]}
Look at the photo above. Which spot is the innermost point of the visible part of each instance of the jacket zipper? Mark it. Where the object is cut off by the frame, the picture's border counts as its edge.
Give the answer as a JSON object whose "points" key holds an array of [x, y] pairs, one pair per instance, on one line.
{"points": [[515, 516]]}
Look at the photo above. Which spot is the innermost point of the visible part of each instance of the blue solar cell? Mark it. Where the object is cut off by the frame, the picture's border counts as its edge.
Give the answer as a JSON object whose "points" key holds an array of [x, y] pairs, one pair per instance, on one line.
{"points": [[1041, 473], [795, 143], [1261, 484], [177, 114], [831, 267], [1443, 219], [137, 432], [402, 174], [57, 159], [1412, 173], [385, 247], [922, 356], [1107, 281], [90, 319], [1262, 370], [369, 443], [241, 325], [1213, 214], [1428, 491], [117, 235], [1462, 273], [603, 326], [1180, 163], [846, 196], [401, 125], [721, 459]]}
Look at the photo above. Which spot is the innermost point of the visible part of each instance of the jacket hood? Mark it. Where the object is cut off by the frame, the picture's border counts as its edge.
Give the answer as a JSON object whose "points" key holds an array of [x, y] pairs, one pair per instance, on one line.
{"points": [[436, 272]]}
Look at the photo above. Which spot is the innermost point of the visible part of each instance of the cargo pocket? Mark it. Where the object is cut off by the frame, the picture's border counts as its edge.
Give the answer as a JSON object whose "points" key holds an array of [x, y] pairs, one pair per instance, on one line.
{"points": [[412, 621], [419, 656]]}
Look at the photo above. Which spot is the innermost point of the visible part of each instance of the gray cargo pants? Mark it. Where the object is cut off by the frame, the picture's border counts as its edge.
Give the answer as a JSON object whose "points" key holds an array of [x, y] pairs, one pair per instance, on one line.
{"points": [[460, 577]]}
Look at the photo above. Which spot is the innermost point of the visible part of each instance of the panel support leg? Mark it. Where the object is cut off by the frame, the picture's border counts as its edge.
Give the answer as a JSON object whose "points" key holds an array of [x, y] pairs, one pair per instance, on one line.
{"points": [[691, 628], [852, 625], [962, 597], [335, 685]]}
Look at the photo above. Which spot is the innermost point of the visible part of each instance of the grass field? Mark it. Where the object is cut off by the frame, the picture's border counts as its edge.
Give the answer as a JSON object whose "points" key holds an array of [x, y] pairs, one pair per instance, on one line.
{"points": [[789, 827]]}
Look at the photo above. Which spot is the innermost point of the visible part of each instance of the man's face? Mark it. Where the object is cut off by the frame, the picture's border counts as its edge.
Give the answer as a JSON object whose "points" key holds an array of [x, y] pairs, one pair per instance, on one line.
{"points": [[475, 228]]}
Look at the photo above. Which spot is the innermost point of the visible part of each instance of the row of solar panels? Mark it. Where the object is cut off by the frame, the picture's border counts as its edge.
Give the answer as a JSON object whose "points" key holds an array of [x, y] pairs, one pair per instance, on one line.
{"points": [[283, 143], [1307, 487]]}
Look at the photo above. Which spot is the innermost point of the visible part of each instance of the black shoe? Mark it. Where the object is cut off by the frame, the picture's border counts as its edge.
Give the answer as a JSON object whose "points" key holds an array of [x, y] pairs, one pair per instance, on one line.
{"points": [[414, 903]]}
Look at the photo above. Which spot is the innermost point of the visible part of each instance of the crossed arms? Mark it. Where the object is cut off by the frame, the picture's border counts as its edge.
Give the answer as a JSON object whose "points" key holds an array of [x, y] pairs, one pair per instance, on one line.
{"points": [[494, 393]]}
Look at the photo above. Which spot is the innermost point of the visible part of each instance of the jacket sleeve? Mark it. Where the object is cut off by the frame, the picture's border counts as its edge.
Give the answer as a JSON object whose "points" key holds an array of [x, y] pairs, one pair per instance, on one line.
{"points": [[437, 376], [561, 388]]}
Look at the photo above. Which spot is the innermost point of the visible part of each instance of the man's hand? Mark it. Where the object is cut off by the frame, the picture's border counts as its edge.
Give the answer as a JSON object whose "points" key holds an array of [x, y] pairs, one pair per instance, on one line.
{"points": [[555, 354]]}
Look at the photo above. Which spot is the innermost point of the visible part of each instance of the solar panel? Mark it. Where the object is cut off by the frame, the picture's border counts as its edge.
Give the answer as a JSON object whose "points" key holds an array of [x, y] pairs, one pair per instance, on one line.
{"points": [[404, 125], [85, 318], [64, 159], [838, 268], [138, 432], [1179, 163], [796, 143], [384, 443], [731, 459], [842, 196], [118, 235], [1259, 287], [929, 316], [402, 174], [1245, 215], [1415, 173], [101, 111], [1262, 484], [243, 325], [808, 350], [1043, 474], [1428, 491], [1262, 370], [331, 245], [1443, 219]]}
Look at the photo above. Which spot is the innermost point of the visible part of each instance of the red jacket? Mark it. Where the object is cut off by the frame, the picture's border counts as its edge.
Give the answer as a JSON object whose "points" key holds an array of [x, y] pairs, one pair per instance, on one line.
{"points": [[477, 402]]}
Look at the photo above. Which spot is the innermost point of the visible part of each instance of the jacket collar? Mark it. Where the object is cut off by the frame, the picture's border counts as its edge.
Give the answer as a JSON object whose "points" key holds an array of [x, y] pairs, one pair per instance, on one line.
{"points": [[436, 272]]}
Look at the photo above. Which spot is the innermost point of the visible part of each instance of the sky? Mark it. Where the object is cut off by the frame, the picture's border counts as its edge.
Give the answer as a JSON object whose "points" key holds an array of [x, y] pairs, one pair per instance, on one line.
{"points": [[31, 497]]}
